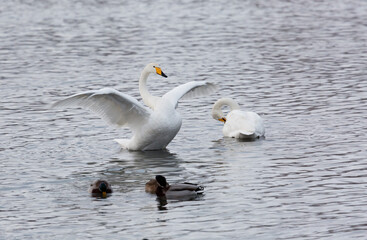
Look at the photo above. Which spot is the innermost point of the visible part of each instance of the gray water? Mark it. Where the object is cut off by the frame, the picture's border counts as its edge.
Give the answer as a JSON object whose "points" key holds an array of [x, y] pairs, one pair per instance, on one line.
{"points": [[300, 64]]}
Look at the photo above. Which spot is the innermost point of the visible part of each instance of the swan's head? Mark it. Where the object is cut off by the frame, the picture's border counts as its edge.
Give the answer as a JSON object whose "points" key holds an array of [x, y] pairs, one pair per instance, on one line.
{"points": [[217, 113], [154, 68]]}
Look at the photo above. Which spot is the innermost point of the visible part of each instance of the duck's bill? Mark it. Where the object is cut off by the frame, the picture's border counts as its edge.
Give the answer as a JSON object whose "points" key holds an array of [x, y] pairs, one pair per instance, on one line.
{"points": [[159, 72], [104, 194]]}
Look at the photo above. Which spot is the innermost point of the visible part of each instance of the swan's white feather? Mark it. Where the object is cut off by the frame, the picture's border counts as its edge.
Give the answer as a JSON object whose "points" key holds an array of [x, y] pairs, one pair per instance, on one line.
{"points": [[241, 124], [114, 107], [238, 124], [152, 129], [189, 90]]}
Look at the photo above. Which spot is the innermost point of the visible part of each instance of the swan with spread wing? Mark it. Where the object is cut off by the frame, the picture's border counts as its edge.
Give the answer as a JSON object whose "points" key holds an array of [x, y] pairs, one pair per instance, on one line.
{"points": [[154, 127]]}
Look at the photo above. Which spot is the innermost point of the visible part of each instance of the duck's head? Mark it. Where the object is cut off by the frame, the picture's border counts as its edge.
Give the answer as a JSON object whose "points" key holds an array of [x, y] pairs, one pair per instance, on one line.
{"points": [[100, 188], [154, 68], [162, 182], [103, 188]]}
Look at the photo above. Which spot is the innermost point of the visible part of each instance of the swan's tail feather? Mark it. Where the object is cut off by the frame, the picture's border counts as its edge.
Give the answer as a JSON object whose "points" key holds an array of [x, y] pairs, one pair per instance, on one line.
{"points": [[247, 135]]}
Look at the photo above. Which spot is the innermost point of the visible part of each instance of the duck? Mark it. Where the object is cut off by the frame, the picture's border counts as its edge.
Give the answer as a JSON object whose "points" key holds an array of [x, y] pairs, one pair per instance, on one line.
{"points": [[238, 124], [154, 126], [162, 189], [100, 188]]}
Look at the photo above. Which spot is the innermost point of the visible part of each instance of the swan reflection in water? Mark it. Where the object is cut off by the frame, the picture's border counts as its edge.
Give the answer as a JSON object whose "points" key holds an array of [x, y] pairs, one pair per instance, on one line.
{"points": [[131, 169]]}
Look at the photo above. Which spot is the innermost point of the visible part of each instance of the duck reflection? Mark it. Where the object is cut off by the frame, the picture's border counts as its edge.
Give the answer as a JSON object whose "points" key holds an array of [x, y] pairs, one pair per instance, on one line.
{"points": [[128, 170], [179, 191], [163, 201]]}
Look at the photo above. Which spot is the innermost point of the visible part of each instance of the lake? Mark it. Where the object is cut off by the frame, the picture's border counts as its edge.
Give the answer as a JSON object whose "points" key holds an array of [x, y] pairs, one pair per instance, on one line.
{"points": [[301, 65]]}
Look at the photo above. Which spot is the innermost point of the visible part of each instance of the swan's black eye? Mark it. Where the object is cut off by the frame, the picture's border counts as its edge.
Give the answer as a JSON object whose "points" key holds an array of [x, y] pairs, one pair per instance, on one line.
{"points": [[153, 66]]}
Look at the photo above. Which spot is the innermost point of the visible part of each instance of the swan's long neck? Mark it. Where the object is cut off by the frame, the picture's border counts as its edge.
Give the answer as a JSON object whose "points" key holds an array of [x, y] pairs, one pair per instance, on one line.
{"points": [[148, 99], [217, 108]]}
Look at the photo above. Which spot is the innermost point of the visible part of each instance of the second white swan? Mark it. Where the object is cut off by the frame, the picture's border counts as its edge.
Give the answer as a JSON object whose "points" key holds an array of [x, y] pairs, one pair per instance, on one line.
{"points": [[154, 128], [237, 123]]}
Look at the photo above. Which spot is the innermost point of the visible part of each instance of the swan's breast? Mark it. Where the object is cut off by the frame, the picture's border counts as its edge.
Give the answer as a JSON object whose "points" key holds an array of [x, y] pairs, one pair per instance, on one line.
{"points": [[166, 114]]}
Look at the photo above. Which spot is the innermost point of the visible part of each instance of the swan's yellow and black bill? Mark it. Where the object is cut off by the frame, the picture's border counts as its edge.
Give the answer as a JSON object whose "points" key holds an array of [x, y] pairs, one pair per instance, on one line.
{"points": [[222, 120], [159, 72]]}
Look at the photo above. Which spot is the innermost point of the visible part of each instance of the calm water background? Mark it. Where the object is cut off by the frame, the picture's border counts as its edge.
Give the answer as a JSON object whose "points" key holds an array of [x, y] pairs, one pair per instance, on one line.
{"points": [[299, 64]]}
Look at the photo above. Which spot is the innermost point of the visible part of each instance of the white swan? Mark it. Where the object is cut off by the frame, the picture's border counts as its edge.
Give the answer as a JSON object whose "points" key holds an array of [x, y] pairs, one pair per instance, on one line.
{"points": [[154, 128], [238, 124]]}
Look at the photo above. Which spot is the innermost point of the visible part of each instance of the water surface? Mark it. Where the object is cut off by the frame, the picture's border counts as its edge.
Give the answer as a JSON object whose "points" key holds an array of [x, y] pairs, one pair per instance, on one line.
{"points": [[301, 65]]}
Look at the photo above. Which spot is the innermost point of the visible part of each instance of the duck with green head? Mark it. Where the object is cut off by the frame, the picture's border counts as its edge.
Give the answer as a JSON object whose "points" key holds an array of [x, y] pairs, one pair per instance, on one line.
{"points": [[162, 189], [100, 188]]}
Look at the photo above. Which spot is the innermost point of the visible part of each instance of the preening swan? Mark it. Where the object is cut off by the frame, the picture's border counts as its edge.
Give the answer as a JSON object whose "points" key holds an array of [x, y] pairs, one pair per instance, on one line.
{"points": [[238, 124], [154, 128]]}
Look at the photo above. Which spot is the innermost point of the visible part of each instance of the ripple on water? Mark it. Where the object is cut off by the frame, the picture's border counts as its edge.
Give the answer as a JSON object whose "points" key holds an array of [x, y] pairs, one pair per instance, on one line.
{"points": [[300, 65]]}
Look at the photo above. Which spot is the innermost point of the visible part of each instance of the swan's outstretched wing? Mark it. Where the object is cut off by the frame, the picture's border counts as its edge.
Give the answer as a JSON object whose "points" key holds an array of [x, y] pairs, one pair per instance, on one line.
{"points": [[115, 108], [189, 90]]}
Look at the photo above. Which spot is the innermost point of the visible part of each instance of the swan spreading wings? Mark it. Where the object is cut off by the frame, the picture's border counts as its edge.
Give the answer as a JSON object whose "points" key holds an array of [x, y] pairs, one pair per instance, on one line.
{"points": [[153, 128]]}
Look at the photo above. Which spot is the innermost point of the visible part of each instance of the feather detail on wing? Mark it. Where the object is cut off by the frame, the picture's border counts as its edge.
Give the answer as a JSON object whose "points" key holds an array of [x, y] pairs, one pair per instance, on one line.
{"points": [[115, 108], [189, 90], [186, 186]]}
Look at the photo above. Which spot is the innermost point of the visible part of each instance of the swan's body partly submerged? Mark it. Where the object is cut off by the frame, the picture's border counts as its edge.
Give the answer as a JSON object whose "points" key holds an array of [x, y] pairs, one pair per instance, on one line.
{"points": [[238, 124], [154, 128]]}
